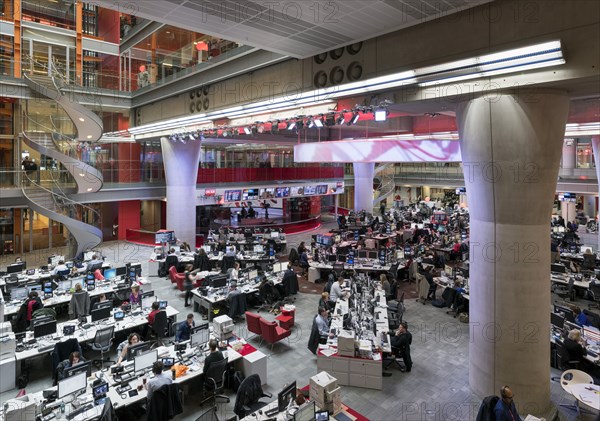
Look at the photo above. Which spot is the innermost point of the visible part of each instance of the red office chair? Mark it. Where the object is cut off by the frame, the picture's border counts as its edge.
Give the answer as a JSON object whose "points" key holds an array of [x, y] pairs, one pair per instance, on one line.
{"points": [[271, 332], [253, 324], [286, 318], [175, 276]]}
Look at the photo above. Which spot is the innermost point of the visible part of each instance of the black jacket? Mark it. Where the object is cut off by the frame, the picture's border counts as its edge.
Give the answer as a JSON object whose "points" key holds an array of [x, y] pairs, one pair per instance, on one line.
{"points": [[61, 352], [574, 349], [486, 409], [290, 282], [165, 403], [248, 394], [202, 262], [237, 305], [313, 340]]}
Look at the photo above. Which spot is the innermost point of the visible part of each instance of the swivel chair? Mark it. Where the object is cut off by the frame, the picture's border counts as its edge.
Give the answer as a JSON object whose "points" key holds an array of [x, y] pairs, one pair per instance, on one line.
{"points": [[159, 327], [215, 378], [102, 342]]}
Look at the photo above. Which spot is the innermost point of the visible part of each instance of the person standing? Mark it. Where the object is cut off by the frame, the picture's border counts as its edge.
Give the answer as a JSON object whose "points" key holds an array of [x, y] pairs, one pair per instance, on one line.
{"points": [[505, 409], [402, 340]]}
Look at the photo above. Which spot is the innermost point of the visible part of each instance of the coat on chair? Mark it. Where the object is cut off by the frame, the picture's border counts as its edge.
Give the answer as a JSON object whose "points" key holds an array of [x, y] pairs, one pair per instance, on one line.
{"points": [[313, 340], [165, 403]]}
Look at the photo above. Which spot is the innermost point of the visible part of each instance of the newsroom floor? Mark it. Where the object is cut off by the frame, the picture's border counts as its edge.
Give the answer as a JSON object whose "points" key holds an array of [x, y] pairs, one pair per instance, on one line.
{"points": [[436, 389]]}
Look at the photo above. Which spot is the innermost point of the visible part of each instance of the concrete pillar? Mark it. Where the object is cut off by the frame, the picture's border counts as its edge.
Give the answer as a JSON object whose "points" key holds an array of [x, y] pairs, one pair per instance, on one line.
{"points": [[181, 172], [569, 155], [511, 149], [426, 191], [596, 151], [363, 185]]}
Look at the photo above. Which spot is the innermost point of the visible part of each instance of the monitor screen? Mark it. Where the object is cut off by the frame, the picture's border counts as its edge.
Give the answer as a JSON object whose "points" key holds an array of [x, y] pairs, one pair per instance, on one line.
{"points": [[282, 191], [259, 248], [331, 258], [252, 274], [285, 396], [121, 270], [277, 267], [64, 285], [72, 385], [110, 274], [199, 338], [100, 390], [30, 272], [34, 287], [144, 361], [275, 235], [557, 320], [19, 293], [162, 305], [219, 281], [100, 313], [341, 258], [82, 367], [145, 294], [372, 255], [306, 412], [584, 249], [207, 249], [591, 334], [250, 194], [44, 329], [91, 284], [70, 265], [232, 195], [164, 237], [137, 349], [119, 315], [88, 255], [362, 254], [147, 301]]}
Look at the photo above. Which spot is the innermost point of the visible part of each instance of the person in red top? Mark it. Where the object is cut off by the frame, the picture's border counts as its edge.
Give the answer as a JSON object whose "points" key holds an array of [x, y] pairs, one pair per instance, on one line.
{"points": [[152, 314], [33, 303]]}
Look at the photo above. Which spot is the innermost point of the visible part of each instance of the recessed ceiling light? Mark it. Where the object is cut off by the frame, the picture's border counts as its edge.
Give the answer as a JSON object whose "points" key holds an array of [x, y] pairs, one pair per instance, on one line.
{"points": [[82, 174], [89, 189], [81, 119], [89, 136]]}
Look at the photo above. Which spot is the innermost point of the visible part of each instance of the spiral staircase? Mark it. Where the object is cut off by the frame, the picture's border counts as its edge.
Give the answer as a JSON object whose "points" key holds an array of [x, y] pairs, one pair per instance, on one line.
{"points": [[50, 193], [385, 174]]}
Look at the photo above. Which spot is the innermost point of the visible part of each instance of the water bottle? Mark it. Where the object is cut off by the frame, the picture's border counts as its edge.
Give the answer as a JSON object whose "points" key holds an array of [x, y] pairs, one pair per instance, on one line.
{"points": [[62, 408]]}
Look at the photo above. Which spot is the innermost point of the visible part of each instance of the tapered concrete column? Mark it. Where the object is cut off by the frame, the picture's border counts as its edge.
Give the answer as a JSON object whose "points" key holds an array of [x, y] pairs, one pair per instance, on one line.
{"points": [[511, 148], [363, 185], [181, 172], [568, 158], [596, 151]]}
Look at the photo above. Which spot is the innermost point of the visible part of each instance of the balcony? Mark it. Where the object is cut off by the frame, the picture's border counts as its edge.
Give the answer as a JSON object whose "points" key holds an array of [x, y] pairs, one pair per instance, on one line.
{"points": [[250, 175]]}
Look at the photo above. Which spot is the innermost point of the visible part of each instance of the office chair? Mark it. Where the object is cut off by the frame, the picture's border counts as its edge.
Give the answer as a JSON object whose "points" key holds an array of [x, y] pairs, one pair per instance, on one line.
{"points": [[102, 342], [567, 292], [594, 295], [61, 352], [171, 261], [247, 398], [209, 415], [394, 359], [395, 317], [166, 402], [159, 327], [215, 377], [253, 325]]}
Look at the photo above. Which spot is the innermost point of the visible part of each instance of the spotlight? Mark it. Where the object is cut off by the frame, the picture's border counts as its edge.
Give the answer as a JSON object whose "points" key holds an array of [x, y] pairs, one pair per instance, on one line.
{"points": [[318, 123], [311, 123], [299, 124], [330, 120], [381, 114], [341, 120], [247, 130], [354, 119], [292, 125]]}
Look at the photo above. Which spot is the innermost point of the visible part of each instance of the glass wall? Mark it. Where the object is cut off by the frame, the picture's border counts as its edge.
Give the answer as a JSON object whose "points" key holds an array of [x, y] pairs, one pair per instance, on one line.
{"points": [[6, 55], [49, 12], [6, 231], [585, 155]]}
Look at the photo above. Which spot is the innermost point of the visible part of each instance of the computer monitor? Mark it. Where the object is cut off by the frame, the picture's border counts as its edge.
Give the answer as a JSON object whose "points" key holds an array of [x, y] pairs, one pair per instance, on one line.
{"points": [[144, 361], [259, 248], [121, 270], [100, 313], [162, 305], [47, 287], [71, 385], [252, 274], [277, 267], [34, 287], [88, 255], [275, 235], [145, 294], [362, 254], [569, 326], [218, 281], [110, 274], [306, 412], [322, 415], [82, 367], [44, 329], [64, 285], [199, 338], [591, 334], [91, 284], [132, 275], [18, 293], [372, 255], [271, 250], [207, 249], [69, 265], [341, 258], [100, 391], [15, 268], [198, 328], [118, 315], [331, 258], [448, 270], [137, 349], [567, 313], [557, 320], [147, 301], [176, 249], [285, 396]]}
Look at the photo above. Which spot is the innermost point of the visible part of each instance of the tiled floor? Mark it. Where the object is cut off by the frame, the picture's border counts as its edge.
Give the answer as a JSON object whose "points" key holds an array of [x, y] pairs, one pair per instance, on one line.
{"points": [[436, 389]]}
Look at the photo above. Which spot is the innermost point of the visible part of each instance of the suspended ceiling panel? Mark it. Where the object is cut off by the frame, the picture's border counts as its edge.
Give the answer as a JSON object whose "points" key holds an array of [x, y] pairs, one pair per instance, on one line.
{"points": [[295, 28]]}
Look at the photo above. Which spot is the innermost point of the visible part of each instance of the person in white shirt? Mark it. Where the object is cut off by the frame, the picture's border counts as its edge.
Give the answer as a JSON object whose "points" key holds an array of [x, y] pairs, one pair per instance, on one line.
{"points": [[235, 271], [159, 379], [61, 267], [337, 290]]}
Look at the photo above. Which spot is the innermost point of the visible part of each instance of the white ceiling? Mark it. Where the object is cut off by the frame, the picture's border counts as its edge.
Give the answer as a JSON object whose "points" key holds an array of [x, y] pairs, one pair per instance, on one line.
{"points": [[299, 28]]}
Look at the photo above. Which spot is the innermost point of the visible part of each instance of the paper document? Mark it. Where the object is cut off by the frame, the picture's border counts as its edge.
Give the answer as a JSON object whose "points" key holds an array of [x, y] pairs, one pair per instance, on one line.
{"points": [[328, 352]]}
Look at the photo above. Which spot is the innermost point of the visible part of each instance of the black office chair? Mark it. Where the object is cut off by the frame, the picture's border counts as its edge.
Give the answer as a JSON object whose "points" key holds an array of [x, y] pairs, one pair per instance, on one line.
{"points": [[395, 317], [227, 263], [567, 292], [61, 352], [171, 261], [594, 295], [166, 402], [215, 379], [102, 342], [237, 306], [247, 399], [395, 358], [159, 327]]}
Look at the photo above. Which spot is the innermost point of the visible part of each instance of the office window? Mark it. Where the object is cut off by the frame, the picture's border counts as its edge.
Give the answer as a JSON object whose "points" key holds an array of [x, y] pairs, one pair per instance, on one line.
{"points": [[585, 155]]}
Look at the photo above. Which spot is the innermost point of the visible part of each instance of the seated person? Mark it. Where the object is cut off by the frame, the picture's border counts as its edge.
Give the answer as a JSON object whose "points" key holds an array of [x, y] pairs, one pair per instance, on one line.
{"points": [[581, 319], [505, 409], [159, 379], [401, 341], [95, 261], [235, 270], [74, 359], [233, 290], [154, 309], [322, 320], [132, 339], [101, 299], [574, 345], [324, 301], [303, 261], [80, 303], [214, 356], [135, 298], [31, 304], [185, 328], [61, 269], [337, 290]]}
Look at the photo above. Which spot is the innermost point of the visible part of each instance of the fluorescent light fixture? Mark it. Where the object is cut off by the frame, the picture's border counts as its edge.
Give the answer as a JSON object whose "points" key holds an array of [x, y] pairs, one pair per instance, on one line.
{"points": [[247, 130], [354, 118], [311, 123], [292, 125], [318, 123], [82, 119], [381, 115], [341, 119]]}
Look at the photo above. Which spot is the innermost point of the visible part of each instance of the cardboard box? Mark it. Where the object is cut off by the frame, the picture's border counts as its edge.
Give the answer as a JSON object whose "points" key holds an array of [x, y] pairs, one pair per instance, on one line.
{"points": [[346, 343]]}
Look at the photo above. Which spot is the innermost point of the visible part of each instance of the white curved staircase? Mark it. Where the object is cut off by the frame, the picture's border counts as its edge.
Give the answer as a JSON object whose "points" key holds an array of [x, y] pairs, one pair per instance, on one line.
{"points": [[387, 185]]}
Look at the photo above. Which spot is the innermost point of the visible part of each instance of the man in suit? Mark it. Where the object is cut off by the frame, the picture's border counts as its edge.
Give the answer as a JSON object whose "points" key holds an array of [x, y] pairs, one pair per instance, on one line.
{"points": [[401, 341]]}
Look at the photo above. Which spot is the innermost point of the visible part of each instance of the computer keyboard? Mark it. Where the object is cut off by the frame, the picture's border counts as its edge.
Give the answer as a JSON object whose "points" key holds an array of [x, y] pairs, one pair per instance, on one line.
{"points": [[272, 412], [592, 353], [79, 411], [123, 389], [45, 348], [126, 377]]}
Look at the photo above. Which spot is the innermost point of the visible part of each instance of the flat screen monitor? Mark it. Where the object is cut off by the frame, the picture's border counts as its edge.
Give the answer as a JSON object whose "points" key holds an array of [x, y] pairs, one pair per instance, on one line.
{"points": [[591, 334], [119, 315], [18, 293], [162, 305], [277, 267], [64, 285], [362, 254], [147, 294], [121, 270], [147, 301], [164, 237], [331, 258], [572, 326], [88, 255], [282, 191], [232, 195], [137, 349], [53, 260], [71, 385], [110, 274], [259, 248], [306, 412], [15, 268], [557, 320], [285, 396], [219, 281], [207, 249], [69, 265], [271, 251], [91, 284], [100, 391], [372, 255], [82, 367], [144, 361], [408, 251], [100, 313], [199, 338], [44, 329], [250, 194], [341, 258], [204, 326], [47, 287], [275, 235], [252, 274]]}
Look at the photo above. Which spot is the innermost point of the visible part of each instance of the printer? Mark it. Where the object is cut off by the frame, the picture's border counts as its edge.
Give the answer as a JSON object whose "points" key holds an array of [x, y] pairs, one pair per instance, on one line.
{"points": [[223, 327]]}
